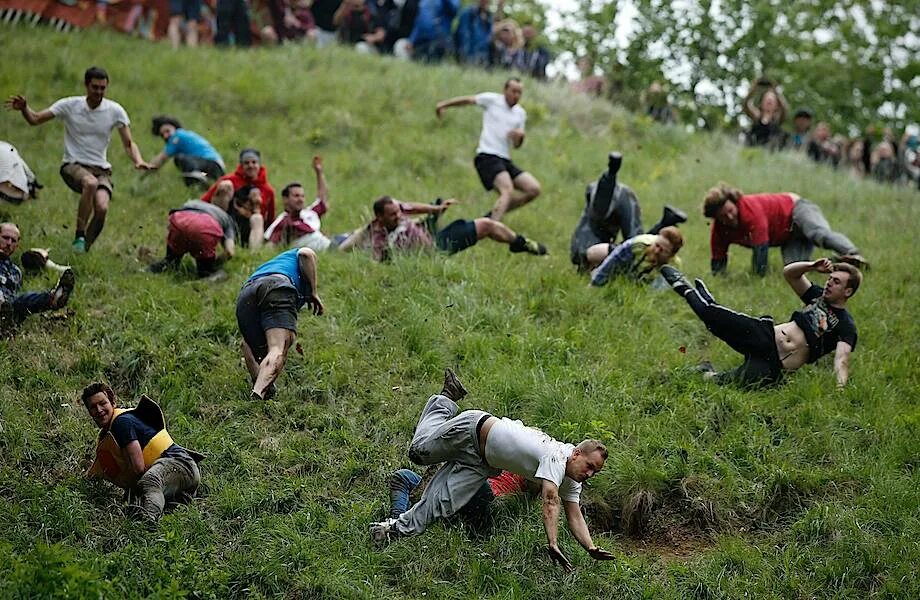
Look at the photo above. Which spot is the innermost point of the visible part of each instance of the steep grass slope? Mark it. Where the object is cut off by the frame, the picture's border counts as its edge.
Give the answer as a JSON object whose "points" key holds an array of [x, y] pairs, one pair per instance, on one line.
{"points": [[802, 491]]}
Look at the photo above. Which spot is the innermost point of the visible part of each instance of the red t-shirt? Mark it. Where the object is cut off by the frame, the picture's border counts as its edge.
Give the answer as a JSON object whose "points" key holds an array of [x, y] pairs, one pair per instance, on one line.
{"points": [[762, 219]]}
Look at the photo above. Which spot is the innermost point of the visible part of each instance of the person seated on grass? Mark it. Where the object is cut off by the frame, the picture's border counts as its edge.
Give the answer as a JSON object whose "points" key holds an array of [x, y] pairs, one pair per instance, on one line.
{"points": [[636, 258], [195, 157], [250, 171], [406, 484], [17, 181], [824, 325], [612, 208], [758, 221], [474, 446], [391, 230], [135, 452], [198, 228], [299, 226], [245, 208], [266, 312], [14, 305]]}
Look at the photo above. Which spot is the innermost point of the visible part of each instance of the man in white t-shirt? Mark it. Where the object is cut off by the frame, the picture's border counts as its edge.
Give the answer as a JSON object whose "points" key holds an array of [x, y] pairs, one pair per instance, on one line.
{"points": [[503, 122], [88, 125], [299, 225], [474, 446]]}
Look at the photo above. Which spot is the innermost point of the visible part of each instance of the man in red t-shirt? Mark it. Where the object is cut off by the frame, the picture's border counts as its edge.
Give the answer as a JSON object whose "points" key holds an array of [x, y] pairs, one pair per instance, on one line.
{"points": [[759, 221], [250, 171]]}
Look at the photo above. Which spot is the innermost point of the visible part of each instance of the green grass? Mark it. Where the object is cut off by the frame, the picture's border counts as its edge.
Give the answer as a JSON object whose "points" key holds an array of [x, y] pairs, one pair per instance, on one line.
{"points": [[803, 491]]}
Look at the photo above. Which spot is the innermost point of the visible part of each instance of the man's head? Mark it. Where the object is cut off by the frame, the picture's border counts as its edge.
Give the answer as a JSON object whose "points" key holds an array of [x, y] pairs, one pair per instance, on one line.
{"points": [[294, 198], [721, 204], [96, 81], [247, 200], [165, 127], [802, 120], [667, 243], [9, 239], [586, 460], [842, 283], [387, 212], [513, 91], [99, 400], [251, 161], [822, 131]]}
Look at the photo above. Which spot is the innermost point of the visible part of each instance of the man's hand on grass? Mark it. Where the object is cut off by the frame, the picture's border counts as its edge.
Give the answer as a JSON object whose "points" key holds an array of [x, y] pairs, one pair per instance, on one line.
{"points": [[556, 555]]}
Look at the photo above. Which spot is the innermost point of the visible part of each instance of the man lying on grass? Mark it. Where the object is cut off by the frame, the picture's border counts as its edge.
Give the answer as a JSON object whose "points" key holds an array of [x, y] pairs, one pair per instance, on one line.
{"points": [[474, 446], [392, 230], [135, 452], [266, 312], [821, 327]]}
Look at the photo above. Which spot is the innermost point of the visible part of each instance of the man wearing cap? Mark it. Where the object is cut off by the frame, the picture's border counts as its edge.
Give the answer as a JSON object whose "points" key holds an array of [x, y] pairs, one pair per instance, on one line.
{"points": [[88, 124], [250, 171], [135, 452], [266, 312]]}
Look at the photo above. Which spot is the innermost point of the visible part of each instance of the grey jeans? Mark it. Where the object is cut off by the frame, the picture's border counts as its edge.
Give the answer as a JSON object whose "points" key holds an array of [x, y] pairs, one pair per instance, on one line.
{"points": [[444, 436], [810, 229], [169, 479]]}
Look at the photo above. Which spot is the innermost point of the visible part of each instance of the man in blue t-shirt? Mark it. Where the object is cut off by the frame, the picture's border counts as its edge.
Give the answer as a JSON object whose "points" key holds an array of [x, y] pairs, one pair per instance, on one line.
{"points": [[135, 452], [266, 312], [195, 157], [822, 326]]}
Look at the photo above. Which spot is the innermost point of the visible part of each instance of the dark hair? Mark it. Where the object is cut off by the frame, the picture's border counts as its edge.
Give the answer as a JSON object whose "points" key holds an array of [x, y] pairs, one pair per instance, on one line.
{"points": [[854, 275], [94, 73], [717, 197], [381, 203], [287, 189], [241, 196], [94, 388], [510, 79], [803, 112], [164, 120]]}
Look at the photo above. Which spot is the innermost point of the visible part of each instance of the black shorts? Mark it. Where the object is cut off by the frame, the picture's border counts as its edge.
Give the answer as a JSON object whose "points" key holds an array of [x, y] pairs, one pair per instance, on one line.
{"points": [[457, 236], [488, 166], [269, 302]]}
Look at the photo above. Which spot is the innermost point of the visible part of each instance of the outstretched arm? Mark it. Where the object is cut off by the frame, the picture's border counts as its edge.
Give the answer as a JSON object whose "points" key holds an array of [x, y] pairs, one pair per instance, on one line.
{"points": [[579, 529], [842, 363], [306, 260], [419, 208], [19, 103], [794, 273], [133, 152], [551, 524], [357, 239], [748, 104], [158, 161], [458, 101], [322, 191]]}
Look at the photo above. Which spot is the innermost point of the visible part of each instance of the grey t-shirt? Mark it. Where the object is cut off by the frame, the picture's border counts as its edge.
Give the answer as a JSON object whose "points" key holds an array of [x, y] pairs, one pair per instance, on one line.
{"points": [[219, 214]]}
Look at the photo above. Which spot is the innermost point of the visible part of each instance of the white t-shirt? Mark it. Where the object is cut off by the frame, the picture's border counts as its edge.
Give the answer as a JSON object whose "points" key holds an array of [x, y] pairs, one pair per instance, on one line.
{"points": [[13, 169], [87, 131], [497, 120], [532, 454]]}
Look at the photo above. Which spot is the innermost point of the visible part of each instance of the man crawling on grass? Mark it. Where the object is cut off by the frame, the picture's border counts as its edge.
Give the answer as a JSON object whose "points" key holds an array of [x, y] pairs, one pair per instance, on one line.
{"points": [[474, 446], [824, 325]]}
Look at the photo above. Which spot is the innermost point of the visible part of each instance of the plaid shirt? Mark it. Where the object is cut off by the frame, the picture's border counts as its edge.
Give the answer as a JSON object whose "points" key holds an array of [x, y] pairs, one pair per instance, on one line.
{"points": [[408, 235], [10, 279]]}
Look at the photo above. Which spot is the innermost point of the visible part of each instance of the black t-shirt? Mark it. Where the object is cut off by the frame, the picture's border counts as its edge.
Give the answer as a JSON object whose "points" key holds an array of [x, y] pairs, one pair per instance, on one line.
{"points": [[824, 325], [323, 10], [127, 428]]}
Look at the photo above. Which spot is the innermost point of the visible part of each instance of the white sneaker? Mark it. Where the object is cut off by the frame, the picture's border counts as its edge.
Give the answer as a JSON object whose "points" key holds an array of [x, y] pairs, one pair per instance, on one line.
{"points": [[382, 532]]}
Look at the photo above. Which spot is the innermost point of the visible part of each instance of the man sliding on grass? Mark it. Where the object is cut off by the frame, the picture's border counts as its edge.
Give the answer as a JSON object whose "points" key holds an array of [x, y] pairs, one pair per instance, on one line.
{"points": [[821, 327], [474, 446], [392, 230]]}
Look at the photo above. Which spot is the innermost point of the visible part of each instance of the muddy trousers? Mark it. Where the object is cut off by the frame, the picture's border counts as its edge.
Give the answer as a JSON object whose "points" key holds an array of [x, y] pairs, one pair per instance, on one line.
{"points": [[809, 229], [444, 436], [172, 479]]}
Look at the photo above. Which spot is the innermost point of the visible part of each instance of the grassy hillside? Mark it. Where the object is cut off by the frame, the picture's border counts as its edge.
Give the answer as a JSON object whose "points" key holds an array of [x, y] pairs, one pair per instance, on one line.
{"points": [[804, 491]]}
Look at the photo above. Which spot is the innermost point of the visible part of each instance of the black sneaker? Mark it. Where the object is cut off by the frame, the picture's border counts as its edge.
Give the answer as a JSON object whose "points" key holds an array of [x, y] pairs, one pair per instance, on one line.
{"points": [[614, 162], [675, 279], [672, 216], [522, 244], [703, 291], [453, 389], [61, 292], [162, 265]]}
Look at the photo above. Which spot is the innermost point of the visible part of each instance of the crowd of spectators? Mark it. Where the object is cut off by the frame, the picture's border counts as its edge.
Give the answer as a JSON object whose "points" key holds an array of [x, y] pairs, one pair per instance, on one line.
{"points": [[886, 158], [423, 30]]}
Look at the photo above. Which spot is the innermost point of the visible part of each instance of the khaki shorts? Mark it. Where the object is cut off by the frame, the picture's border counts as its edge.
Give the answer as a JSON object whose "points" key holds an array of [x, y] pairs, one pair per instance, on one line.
{"points": [[74, 174]]}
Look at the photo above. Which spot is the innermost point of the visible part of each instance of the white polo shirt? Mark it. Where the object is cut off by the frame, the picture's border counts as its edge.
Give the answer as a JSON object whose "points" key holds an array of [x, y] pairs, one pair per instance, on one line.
{"points": [[497, 120], [532, 454], [87, 131]]}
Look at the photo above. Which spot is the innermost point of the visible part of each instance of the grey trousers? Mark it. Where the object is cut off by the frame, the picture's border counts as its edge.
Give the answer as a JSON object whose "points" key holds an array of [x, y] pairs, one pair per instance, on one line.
{"points": [[169, 479], [810, 229], [440, 436]]}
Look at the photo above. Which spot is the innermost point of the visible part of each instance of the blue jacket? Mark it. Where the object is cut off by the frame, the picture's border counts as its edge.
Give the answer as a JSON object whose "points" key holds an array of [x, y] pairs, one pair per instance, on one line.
{"points": [[434, 20], [474, 36]]}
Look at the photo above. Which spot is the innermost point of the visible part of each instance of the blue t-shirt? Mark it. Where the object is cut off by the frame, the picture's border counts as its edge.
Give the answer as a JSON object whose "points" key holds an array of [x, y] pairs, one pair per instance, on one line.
{"points": [[127, 428], [286, 264], [191, 144]]}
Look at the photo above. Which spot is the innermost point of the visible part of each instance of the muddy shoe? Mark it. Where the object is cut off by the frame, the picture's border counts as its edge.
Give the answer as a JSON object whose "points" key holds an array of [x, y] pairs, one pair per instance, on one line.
{"points": [[857, 260], [522, 244], [453, 389], [675, 279], [703, 291], [61, 292]]}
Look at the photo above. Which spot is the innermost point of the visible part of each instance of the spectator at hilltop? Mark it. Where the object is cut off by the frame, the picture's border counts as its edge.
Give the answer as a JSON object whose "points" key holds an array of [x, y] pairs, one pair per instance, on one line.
{"points": [[291, 20], [183, 14], [397, 18], [801, 123], [507, 39], [532, 57], [590, 83], [431, 39], [767, 114], [358, 27], [323, 13], [473, 36], [854, 151], [233, 22], [823, 149], [657, 105], [885, 167]]}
